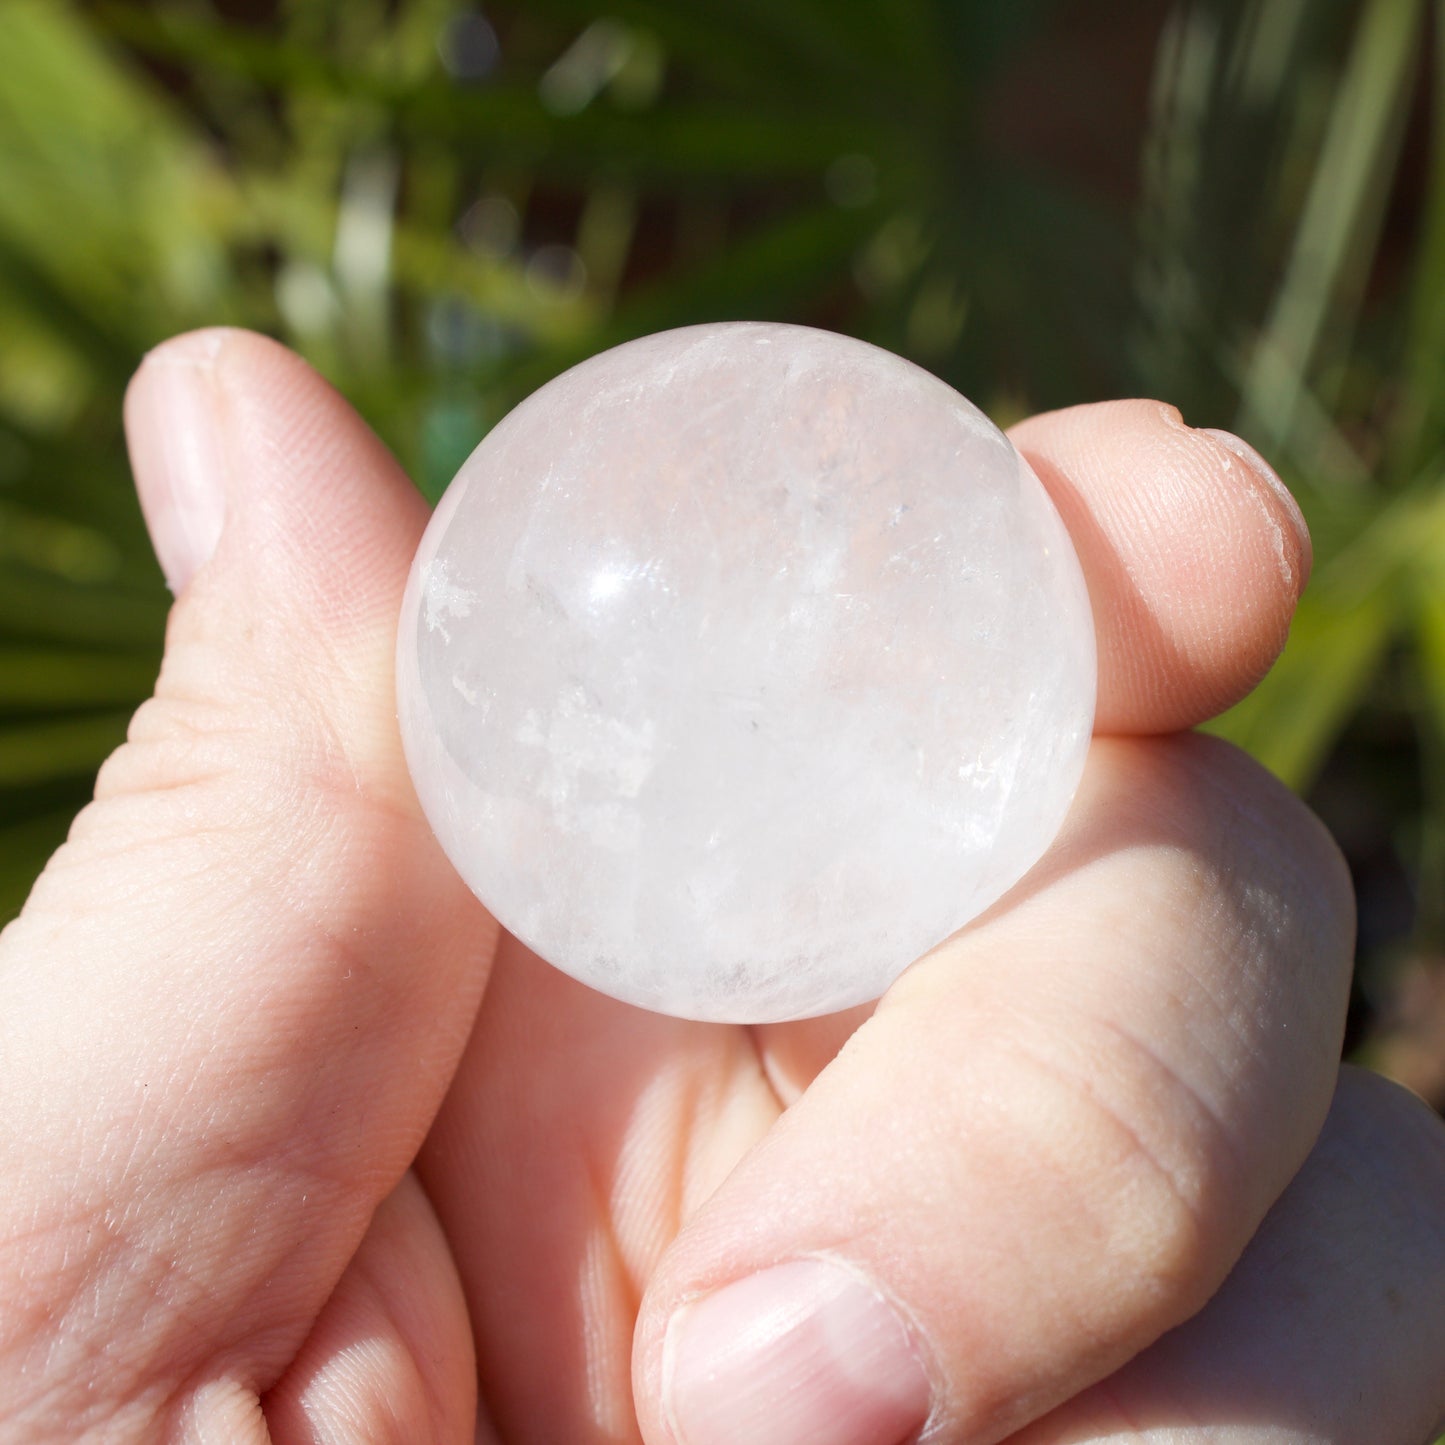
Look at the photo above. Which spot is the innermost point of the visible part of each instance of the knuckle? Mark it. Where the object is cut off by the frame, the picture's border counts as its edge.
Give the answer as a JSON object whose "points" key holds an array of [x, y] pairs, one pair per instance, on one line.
{"points": [[1145, 1167], [1262, 859]]}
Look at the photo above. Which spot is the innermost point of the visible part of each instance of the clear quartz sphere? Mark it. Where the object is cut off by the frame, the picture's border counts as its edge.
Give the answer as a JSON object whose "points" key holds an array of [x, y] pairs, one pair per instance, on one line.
{"points": [[740, 666]]}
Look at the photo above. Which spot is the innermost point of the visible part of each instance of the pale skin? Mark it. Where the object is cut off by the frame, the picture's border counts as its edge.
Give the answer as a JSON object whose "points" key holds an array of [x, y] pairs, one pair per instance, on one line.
{"points": [[297, 1146]]}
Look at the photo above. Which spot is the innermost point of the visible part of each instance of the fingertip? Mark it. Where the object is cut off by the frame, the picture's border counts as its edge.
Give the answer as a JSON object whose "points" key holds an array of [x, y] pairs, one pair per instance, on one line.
{"points": [[804, 1350], [173, 422], [255, 473], [1294, 536], [230, 430], [1194, 554]]}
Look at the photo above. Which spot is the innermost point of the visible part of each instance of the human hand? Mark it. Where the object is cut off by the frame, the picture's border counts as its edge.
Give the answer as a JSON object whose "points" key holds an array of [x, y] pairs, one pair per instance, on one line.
{"points": [[298, 1147]]}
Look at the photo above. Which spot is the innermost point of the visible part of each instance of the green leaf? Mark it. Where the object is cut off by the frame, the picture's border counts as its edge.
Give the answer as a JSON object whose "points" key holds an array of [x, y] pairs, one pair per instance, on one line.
{"points": [[1419, 426], [692, 142], [1241, 97], [25, 848], [37, 678], [1339, 225], [1427, 600], [1291, 720], [772, 273], [707, 37], [34, 606], [1358, 603], [107, 198], [236, 49], [1430, 624], [29, 288], [59, 748]]}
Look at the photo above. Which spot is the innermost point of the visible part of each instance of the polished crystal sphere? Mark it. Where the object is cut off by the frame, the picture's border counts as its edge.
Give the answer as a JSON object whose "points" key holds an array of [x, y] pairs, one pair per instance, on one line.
{"points": [[740, 666]]}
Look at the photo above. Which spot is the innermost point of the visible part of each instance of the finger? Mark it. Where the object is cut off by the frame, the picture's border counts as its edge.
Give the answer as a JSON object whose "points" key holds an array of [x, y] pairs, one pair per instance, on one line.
{"points": [[389, 1360], [234, 999], [1194, 553], [1330, 1328], [1048, 1145], [579, 1132]]}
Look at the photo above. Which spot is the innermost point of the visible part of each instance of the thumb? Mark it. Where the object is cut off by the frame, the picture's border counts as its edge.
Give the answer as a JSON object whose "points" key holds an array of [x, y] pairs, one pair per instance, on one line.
{"points": [[234, 999]]}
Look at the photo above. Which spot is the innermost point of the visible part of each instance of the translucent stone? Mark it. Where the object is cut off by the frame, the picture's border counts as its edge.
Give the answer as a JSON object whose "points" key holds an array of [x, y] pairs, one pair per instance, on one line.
{"points": [[740, 666]]}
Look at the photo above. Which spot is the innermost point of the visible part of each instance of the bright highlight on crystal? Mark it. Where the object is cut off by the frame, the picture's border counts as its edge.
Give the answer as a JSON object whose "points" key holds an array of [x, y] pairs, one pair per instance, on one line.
{"points": [[740, 666]]}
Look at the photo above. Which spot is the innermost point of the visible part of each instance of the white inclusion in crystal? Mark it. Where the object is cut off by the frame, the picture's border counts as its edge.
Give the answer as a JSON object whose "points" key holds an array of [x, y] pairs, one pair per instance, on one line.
{"points": [[444, 598], [582, 748], [742, 666]]}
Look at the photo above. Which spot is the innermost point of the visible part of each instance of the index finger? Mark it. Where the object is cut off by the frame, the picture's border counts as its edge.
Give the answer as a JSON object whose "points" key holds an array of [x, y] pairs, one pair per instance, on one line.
{"points": [[1194, 552]]}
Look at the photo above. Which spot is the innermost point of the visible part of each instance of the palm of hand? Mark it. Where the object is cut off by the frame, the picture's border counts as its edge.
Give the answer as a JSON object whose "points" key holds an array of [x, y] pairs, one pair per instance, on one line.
{"points": [[1045, 1149]]}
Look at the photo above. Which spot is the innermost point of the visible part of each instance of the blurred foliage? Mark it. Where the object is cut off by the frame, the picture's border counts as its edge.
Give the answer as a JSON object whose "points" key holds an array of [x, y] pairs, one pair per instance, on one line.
{"points": [[441, 207]]}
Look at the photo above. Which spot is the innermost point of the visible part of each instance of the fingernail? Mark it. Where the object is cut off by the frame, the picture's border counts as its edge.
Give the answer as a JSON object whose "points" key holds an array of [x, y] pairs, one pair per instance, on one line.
{"points": [[173, 426], [1271, 479], [805, 1353]]}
